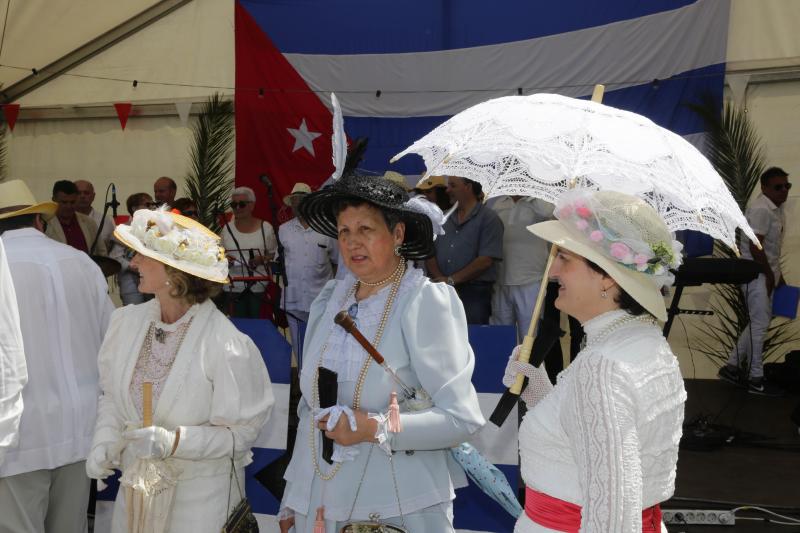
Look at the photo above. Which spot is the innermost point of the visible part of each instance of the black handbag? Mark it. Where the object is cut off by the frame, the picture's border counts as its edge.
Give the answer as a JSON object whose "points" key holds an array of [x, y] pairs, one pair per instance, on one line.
{"points": [[241, 519]]}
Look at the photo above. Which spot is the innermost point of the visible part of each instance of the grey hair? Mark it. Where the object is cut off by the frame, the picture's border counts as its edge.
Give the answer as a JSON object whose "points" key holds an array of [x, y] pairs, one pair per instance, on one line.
{"points": [[244, 191]]}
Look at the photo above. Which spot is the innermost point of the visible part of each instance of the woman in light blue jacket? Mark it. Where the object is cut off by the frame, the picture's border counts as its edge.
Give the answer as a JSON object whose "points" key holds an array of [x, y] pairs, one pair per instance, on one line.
{"points": [[406, 478]]}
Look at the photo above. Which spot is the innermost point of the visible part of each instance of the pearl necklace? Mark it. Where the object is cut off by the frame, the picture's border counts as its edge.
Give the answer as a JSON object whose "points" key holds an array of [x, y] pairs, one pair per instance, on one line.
{"points": [[617, 324], [362, 376], [392, 277]]}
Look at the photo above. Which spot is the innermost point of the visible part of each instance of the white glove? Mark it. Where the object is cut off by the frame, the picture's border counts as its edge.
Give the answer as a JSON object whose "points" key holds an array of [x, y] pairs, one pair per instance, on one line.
{"points": [[335, 412], [99, 464], [538, 381], [152, 442]]}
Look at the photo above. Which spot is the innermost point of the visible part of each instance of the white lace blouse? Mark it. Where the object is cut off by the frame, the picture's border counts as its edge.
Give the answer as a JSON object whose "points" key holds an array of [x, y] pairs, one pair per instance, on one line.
{"points": [[606, 436]]}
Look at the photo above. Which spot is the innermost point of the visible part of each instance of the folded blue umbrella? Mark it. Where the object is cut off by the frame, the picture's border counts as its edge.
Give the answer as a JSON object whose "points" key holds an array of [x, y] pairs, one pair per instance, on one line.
{"points": [[488, 477]]}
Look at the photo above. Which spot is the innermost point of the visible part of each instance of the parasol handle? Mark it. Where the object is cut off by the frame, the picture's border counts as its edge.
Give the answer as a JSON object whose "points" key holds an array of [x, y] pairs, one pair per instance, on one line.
{"points": [[597, 94], [343, 319], [147, 404], [527, 342]]}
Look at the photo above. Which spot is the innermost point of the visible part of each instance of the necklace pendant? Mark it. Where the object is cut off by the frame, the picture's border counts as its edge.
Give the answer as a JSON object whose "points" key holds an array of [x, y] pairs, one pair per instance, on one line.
{"points": [[160, 335]]}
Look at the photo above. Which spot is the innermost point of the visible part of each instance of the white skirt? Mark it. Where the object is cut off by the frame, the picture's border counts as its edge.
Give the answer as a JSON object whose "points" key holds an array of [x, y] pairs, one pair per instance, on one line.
{"points": [[200, 505]]}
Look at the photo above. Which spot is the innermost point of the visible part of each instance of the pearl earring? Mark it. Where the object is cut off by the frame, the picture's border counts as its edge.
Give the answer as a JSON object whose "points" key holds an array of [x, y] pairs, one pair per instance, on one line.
{"points": [[397, 250], [167, 283], [603, 294]]}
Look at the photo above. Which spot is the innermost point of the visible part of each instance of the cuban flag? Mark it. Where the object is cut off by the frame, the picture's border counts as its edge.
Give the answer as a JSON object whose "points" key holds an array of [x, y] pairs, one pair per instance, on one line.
{"points": [[400, 69]]}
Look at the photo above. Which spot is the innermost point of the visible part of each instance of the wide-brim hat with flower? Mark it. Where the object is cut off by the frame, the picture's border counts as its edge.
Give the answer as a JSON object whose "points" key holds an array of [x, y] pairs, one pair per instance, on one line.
{"points": [[317, 209], [621, 234], [177, 241]]}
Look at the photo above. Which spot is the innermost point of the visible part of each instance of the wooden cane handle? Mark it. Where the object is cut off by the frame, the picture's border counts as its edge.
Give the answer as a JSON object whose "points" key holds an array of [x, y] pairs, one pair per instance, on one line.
{"points": [[343, 319], [147, 404]]}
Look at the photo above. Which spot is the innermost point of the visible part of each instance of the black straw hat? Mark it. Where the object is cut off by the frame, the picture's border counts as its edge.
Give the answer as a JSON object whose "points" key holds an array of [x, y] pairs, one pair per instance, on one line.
{"points": [[317, 209]]}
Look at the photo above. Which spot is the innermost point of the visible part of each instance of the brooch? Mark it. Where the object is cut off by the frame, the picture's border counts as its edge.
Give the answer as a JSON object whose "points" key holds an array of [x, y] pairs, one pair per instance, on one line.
{"points": [[160, 335]]}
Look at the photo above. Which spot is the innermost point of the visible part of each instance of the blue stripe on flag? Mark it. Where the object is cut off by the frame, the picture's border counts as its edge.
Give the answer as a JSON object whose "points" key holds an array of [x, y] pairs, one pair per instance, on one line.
{"points": [[664, 103], [492, 346], [260, 498], [386, 26], [274, 349], [475, 511]]}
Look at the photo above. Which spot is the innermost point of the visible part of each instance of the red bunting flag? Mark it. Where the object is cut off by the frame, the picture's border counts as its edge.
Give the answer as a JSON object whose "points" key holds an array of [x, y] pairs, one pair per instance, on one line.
{"points": [[11, 111], [123, 111]]}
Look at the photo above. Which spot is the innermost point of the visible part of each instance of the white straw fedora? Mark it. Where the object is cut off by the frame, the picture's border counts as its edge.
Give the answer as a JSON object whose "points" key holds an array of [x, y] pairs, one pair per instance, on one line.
{"points": [[16, 199], [621, 234], [299, 188]]}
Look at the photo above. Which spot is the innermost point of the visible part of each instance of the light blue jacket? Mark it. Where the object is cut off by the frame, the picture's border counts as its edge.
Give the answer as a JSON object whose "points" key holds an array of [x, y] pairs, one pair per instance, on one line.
{"points": [[425, 341]]}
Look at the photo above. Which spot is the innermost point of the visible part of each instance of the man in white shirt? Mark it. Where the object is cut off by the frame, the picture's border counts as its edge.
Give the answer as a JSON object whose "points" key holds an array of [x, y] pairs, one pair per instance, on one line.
{"points": [[84, 205], [64, 310], [524, 259], [308, 261], [13, 371], [765, 215]]}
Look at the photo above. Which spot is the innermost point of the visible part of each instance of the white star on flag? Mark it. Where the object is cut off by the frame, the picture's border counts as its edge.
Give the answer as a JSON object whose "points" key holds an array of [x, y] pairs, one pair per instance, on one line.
{"points": [[303, 138]]}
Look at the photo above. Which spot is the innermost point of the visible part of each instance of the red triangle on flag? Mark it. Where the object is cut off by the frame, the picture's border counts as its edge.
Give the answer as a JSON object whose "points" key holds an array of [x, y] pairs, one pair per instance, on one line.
{"points": [[123, 112], [11, 111], [283, 129]]}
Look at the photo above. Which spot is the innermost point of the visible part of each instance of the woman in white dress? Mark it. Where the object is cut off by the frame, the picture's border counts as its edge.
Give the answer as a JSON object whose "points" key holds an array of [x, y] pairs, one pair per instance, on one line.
{"points": [[403, 477], [600, 448], [211, 392]]}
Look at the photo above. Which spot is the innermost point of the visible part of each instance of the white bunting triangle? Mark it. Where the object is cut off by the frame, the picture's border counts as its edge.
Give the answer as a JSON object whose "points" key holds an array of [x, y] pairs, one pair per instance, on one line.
{"points": [[183, 108]]}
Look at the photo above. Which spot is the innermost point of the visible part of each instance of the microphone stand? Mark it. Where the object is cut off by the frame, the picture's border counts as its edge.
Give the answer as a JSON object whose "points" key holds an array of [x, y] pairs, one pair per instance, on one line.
{"points": [[280, 259], [113, 204]]}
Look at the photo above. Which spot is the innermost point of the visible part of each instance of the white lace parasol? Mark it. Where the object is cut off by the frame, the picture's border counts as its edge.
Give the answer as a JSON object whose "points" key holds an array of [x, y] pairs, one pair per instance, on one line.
{"points": [[543, 144]]}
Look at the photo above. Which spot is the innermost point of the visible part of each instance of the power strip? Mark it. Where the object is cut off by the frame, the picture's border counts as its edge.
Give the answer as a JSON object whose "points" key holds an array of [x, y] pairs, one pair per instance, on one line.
{"points": [[698, 516]]}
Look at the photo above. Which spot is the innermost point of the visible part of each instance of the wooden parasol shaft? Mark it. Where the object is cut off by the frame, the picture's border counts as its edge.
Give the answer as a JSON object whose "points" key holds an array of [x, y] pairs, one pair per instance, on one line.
{"points": [[527, 343], [147, 404]]}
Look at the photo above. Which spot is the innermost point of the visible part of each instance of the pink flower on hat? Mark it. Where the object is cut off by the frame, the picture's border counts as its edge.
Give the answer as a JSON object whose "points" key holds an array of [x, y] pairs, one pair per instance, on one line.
{"points": [[581, 224], [596, 235], [640, 260], [565, 212], [620, 252], [583, 211]]}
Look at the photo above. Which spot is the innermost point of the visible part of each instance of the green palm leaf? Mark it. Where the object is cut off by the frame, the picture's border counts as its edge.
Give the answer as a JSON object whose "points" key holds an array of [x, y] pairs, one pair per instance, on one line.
{"points": [[735, 150], [210, 180]]}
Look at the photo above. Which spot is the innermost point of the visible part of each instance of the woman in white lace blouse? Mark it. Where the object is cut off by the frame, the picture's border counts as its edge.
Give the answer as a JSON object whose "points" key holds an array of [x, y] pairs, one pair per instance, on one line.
{"points": [[599, 449]]}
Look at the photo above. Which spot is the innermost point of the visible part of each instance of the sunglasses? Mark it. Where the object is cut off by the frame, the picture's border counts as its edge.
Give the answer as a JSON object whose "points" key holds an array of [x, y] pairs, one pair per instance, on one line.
{"points": [[189, 213], [781, 186], [239, 205]]}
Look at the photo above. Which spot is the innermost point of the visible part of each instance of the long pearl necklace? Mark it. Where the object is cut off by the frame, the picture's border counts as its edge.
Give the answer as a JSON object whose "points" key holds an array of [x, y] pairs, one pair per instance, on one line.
{"points": [[396, 278]]}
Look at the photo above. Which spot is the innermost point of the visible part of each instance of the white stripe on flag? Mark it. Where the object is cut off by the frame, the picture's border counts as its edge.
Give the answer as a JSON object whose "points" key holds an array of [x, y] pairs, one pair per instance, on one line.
{"points": [[273, 434], [498, 444], [655, 46]]}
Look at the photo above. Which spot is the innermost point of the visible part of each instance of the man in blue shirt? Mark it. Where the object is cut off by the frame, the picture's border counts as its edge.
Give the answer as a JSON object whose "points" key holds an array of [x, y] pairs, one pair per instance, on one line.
{"points": [[467, 252]]}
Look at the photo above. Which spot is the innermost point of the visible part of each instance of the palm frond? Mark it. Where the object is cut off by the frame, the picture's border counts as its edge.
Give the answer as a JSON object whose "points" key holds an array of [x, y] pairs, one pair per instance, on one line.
{"points": [[736, 152], [210, 181]]}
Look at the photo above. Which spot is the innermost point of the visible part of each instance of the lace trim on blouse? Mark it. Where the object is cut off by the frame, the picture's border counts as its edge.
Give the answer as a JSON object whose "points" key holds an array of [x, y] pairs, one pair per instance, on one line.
{"points": [[155, 367]]}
